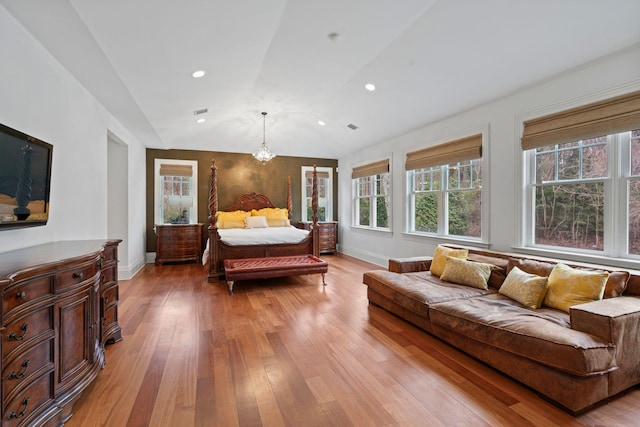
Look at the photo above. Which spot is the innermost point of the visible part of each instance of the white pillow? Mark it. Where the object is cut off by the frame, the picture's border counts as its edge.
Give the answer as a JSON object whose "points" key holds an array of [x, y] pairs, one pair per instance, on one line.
{"points": [[255, 222]]}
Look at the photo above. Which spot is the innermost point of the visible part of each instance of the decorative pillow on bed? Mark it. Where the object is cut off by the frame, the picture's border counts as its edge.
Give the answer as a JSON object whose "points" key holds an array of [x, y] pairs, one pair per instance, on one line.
{"points": [[271, 213], [233, 219], [526, 288], [255, 222], [440, 258], [468, 273], [279, 222], [569, 286]]}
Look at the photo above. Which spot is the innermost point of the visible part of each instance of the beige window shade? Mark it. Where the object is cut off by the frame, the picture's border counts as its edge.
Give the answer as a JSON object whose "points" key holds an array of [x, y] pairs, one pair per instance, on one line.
{"points": [[462, 149], [176, 170], [613, 115], [309, 174], [371, 169]]}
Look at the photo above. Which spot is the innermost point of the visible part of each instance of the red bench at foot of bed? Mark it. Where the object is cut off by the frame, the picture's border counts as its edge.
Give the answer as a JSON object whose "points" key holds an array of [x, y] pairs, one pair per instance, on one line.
{"points": [[264, 268]]}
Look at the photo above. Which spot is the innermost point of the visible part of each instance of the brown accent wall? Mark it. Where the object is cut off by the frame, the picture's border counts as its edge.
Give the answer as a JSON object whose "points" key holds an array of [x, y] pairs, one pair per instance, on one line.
{"points": [[238, 174]]}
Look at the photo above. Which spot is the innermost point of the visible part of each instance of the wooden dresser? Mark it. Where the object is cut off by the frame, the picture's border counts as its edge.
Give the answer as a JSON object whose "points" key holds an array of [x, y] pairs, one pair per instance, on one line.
{"points": [[178, 242], [328, 232], [53, 316]]}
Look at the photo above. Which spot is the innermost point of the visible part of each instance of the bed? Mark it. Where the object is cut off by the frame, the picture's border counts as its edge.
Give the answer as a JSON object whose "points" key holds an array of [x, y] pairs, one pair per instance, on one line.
{"points": [[221, 245]]}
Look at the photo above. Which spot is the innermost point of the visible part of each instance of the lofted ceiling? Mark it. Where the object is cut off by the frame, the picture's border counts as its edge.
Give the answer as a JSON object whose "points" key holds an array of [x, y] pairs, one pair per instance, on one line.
{"points": [[427, 58]]}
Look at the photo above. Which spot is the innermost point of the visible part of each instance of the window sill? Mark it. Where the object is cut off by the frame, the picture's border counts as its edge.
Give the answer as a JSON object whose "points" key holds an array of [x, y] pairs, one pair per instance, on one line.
{"points": [[603, 260], [416, 237], [378, 230]]}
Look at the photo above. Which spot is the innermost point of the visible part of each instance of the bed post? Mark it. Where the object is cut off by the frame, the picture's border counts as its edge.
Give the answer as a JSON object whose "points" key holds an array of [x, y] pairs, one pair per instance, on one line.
{"points": [[289, 203], [213, 230], [314, 209]]}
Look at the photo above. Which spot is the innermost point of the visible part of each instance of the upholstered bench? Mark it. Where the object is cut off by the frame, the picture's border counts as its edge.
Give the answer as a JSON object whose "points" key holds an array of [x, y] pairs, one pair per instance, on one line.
{"points": [[264, 268]]}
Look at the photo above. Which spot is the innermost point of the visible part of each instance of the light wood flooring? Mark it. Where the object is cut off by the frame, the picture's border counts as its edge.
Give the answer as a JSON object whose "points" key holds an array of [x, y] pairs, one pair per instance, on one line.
{"points": [[290, 352]]}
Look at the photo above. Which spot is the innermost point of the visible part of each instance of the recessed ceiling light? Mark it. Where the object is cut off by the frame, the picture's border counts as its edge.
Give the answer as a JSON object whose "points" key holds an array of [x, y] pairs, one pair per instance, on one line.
{"points": [[198, 74], [370, 87], [200, 120], [321, 123]]}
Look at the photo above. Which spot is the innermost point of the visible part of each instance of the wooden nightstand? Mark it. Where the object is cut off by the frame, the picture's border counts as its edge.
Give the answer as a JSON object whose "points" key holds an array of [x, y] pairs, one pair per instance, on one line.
{"points": [[178, 242], [328, 232]]}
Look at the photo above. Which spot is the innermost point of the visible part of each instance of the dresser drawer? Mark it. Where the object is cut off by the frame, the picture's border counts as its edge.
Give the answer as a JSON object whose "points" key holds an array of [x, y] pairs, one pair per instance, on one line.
{"points": [[24, 365], [38, 394], [109, 274], [79, 273], [26, 291], [110, 296], [23, 329]]}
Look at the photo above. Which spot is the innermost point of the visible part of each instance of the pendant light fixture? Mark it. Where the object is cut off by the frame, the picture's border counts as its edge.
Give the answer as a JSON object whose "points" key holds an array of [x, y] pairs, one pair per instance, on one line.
{"points": [[264, 154]]}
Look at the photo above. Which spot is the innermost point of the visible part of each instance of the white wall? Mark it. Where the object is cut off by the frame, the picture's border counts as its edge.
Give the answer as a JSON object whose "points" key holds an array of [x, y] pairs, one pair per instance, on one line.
{"points": [[39, 97], [615, 74]]}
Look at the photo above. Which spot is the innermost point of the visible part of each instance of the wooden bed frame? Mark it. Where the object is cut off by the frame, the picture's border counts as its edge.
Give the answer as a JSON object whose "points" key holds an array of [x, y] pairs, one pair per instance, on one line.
{"points": [[219, 251]]}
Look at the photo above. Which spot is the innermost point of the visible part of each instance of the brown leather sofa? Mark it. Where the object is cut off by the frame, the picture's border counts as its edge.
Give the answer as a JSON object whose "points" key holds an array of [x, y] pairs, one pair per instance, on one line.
{"points": [[576, 359]]}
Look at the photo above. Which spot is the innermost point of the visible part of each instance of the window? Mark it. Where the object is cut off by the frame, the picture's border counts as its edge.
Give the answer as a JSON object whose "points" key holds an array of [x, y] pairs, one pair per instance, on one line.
{"points": [[372, 195], [583, 189], [445, 189], [175, 198], [325, 193]]}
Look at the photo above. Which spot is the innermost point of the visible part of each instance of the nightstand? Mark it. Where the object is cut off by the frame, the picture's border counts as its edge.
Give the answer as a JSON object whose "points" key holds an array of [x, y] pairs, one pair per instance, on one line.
{"points": [[328, 233], [178, 242]]}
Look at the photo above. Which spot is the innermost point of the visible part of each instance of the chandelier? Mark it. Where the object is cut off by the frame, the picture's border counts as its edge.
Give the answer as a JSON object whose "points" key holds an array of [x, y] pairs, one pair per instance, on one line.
{"points": [[264, 154]]}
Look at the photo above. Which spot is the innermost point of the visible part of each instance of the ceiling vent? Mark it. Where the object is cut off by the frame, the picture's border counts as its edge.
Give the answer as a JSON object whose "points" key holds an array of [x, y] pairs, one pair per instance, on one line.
{"points": [[201, 111], [352, 126]]}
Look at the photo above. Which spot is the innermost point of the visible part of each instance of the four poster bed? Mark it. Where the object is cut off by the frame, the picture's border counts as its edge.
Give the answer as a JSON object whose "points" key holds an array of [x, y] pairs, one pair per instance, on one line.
{"points": [[254, 228]]}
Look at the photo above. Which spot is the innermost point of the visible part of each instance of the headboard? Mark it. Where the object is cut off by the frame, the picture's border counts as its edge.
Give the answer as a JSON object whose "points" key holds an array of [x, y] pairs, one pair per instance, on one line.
{"points": [[250, 201]]}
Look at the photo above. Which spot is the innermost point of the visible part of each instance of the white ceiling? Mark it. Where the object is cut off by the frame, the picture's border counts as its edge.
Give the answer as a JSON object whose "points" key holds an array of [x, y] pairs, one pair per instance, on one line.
{"points": [[428, 59]]}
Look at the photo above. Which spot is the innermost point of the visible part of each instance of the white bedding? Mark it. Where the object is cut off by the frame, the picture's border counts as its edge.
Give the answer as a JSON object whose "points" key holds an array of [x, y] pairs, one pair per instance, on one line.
{"points": [[258, 236]]}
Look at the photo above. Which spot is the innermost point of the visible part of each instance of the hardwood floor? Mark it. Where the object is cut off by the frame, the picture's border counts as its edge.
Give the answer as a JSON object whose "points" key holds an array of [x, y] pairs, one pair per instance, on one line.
{"points": [[290, 352]]}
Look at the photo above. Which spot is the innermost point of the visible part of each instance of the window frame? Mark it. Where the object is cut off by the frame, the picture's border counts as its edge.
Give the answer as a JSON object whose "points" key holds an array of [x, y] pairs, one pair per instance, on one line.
{"points": [[158, 199], [439, 237], [616, 194], [373, 196], [305, 199]]}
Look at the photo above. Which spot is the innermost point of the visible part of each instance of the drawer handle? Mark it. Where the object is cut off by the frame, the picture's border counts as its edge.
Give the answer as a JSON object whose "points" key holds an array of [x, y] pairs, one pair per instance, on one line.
{"points": [[78, 275], [25, 366], [13, 414], [21, 295], [13, 337]]}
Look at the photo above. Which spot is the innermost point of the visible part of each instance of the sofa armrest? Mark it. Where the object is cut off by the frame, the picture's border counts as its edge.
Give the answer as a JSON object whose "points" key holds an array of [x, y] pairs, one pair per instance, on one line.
{"points": [[613, 319], [410, 265]]}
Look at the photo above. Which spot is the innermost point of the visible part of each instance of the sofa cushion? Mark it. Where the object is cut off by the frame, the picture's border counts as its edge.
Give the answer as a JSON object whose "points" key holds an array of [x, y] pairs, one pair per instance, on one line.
{"points": [[467, 273], [499, 270], [542, 335], [440, 258], [569, 286], [526, 288], [418, 291]]}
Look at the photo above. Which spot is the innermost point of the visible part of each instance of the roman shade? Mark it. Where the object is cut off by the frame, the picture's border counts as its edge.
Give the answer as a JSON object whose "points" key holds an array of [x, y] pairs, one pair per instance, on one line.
{"points": [[371, 169], [462, 149], [176, 170], [601, 118]]}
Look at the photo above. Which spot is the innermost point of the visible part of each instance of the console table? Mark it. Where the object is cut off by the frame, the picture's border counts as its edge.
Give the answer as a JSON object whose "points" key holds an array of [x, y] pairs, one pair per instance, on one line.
{"points": [[59, 307], [178, 242]]}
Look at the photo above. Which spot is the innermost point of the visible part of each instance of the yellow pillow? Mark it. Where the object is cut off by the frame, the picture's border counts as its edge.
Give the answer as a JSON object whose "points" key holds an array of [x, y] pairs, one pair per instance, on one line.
{"points": [[440, 258], [233, 219], [230, 224], [569, 286], [232, 216], [467, 273], [278, 222], [526, 288], [271, 213]]}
